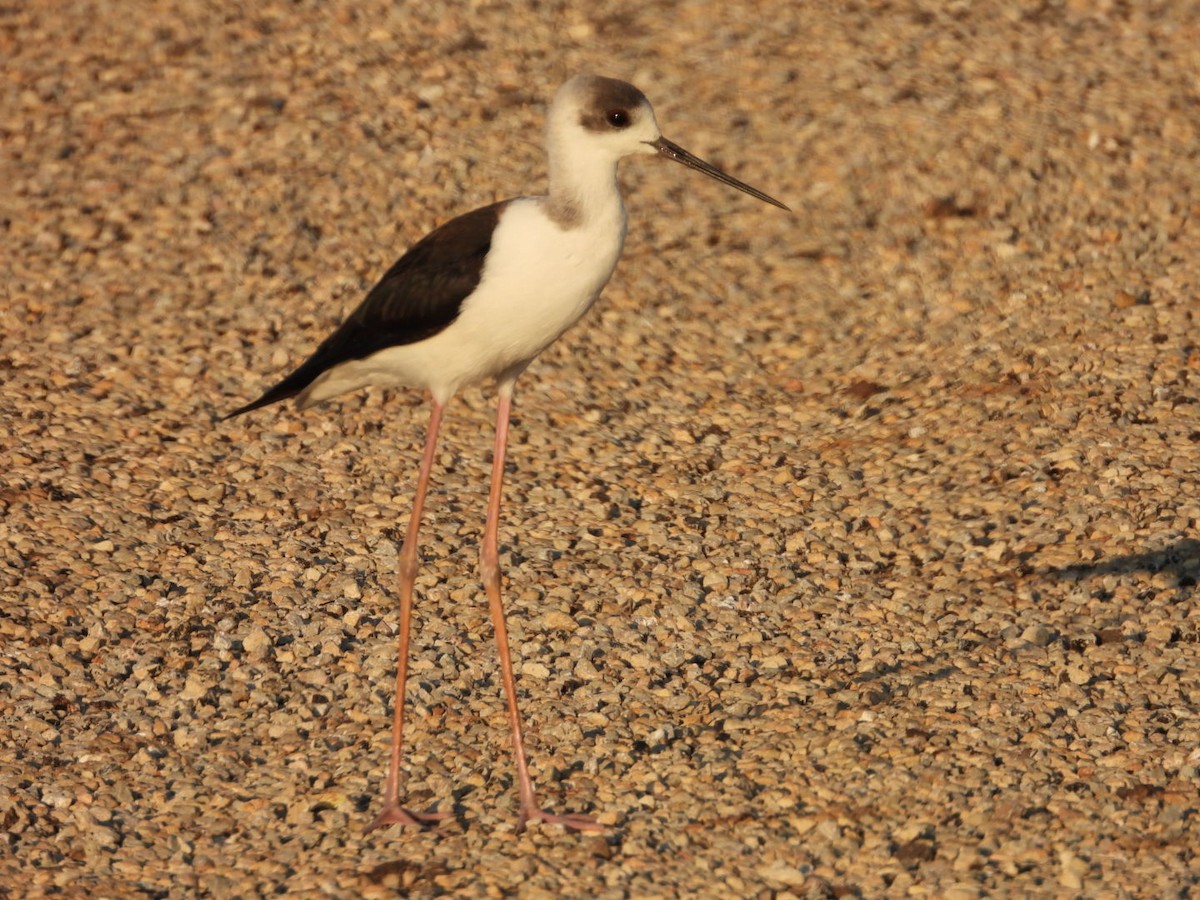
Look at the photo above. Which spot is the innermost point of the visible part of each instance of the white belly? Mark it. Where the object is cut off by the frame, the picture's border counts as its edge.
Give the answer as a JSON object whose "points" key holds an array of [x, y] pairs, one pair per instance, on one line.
{"points": [[539, 279]]}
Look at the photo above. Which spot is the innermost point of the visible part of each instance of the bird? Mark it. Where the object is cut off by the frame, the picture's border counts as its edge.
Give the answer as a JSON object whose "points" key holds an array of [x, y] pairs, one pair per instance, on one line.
{"points": [[479, 298]]}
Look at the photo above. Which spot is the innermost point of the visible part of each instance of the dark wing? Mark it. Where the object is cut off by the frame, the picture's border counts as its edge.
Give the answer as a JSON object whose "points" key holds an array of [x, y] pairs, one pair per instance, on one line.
{"points": [[420, 295]]}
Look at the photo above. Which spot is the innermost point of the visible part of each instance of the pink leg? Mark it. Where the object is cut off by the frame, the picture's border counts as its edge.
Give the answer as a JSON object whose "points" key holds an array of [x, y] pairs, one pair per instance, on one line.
{"points": [[490, 565], [393, 813]]}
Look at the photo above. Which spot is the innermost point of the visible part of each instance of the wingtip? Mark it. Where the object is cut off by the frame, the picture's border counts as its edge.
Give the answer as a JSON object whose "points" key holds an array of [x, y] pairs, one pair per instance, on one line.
{"points": [[265, 400], [235, 413]]}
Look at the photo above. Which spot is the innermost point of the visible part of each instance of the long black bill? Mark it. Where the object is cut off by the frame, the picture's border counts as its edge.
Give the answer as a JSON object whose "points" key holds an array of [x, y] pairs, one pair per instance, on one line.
{"points": [[677, 153]]}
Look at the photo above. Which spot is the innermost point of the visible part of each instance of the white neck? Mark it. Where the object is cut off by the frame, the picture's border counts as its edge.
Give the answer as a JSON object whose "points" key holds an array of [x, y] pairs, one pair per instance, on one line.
{"points": [[583, 183]]}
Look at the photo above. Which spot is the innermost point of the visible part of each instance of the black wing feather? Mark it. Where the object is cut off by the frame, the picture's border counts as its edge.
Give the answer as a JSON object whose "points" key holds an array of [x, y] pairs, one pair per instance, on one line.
{"points": [[420, 295]]}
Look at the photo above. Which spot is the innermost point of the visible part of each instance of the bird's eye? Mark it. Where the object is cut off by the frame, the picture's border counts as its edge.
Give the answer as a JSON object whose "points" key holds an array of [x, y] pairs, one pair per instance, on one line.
{"points": [[617, 118]]}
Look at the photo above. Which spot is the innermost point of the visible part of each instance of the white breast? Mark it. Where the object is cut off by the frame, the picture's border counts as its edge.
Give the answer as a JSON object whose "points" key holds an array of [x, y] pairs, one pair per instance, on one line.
{"points": [[537, 281]]}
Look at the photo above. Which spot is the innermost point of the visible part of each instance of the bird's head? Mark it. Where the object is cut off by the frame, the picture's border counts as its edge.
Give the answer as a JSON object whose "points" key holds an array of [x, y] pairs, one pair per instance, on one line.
{"points": [[596, 116]]}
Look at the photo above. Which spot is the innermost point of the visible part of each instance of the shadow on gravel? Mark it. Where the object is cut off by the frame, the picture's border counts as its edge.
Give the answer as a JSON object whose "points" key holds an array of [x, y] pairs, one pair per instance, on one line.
{"points": [[1180, 560]]}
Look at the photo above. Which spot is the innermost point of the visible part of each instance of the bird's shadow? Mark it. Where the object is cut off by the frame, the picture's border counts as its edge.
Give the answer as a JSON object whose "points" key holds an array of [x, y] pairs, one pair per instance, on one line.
{"points": [[1180, 560]]}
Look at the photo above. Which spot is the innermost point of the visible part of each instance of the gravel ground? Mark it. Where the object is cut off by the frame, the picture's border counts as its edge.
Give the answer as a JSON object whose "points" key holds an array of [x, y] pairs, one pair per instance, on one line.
{"points": [[851, 552]]}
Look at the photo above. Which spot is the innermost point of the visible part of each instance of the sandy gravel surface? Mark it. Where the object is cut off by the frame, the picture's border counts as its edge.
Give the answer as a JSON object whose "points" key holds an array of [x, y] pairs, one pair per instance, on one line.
{"points": [[849, 553]]}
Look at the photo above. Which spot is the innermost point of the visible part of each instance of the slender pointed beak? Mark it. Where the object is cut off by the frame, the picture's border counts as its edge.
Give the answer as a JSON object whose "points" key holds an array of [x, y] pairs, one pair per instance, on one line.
{"points": [[674, 151]]}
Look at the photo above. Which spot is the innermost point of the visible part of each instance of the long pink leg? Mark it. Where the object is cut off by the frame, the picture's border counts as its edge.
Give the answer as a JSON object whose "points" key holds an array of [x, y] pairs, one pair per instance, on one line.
{"points": [[393, 813], [490, 566]]}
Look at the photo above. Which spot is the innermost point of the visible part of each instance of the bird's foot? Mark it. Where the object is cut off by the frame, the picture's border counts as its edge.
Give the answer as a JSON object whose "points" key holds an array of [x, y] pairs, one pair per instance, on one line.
{"points": [[569, 821], [395, 814]]}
